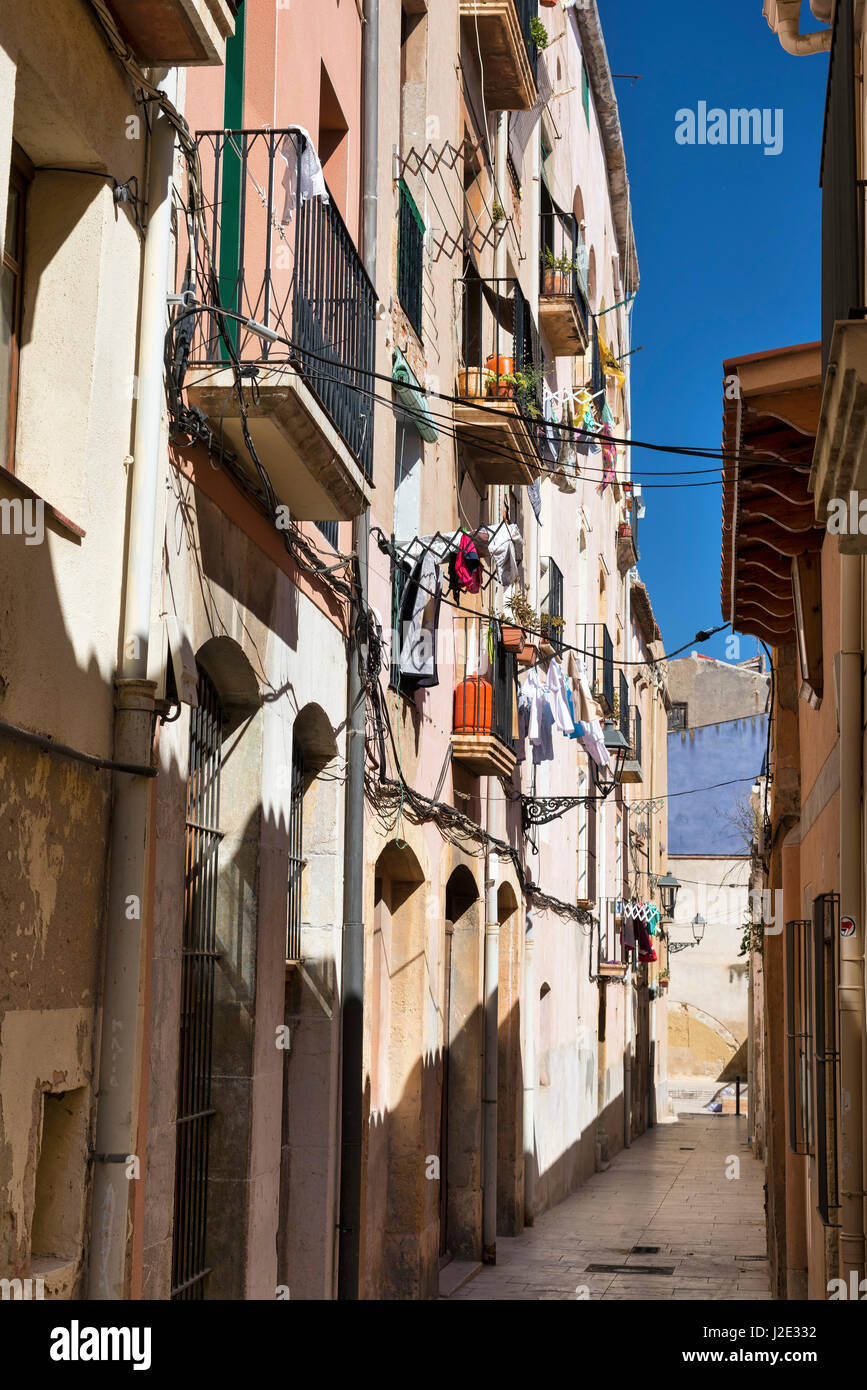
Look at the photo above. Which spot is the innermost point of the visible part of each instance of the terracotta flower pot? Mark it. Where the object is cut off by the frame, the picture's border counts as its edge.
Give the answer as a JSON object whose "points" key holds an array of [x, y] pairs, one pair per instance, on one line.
{"points": [[547, 4], [555, 282], [471, 384], [502, 390], [528, 654], [513, 637]]}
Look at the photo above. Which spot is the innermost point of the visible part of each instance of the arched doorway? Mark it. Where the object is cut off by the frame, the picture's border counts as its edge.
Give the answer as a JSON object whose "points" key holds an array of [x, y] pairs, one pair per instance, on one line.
{"points": [[218, 950], [401, 1203], [461, 1064]]}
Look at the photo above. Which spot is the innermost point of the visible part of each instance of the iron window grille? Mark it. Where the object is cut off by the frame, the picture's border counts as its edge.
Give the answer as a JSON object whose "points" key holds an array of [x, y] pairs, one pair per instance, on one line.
{"points": [[296, 857], [198, 969], [594, 640], [410, 257], [623, 706], [399, 579], [289, 263], [799, 1034], [528, 10], [11, 302], [330, 530], [826, 934], [635, 741], [553, 606]]}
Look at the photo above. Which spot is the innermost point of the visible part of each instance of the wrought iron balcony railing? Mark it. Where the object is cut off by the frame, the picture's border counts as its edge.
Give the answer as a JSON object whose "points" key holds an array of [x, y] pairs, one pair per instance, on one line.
{"points": [[286, 259], [563, 263], [594, 639], [501, 349]]}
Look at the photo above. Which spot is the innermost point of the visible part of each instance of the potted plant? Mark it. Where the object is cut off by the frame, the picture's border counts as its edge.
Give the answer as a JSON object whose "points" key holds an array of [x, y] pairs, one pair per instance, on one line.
{"points": [[471, 384], [498, 212], [539, 34], [557, 273], [498, 365], [549, 627], [511, 635], [527, 619]]}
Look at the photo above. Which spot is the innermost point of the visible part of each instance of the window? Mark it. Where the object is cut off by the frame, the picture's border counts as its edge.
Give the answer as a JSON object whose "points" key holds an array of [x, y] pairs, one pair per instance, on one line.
{"points": [[198, 972], [11, 281], [583, 842], [826, 936], [553, 606], [677, 717], [585, 92], [329, 530], [799, 1035], [296, 857], [399, 578], [410, 257]]}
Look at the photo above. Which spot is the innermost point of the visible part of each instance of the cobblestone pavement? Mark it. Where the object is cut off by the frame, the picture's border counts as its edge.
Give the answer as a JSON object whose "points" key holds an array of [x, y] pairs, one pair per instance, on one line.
{"points": [[669, 1190]]}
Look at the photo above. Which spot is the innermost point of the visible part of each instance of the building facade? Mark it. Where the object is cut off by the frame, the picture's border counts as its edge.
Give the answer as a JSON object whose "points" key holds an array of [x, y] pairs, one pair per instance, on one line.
{"points": [[320, 977]]}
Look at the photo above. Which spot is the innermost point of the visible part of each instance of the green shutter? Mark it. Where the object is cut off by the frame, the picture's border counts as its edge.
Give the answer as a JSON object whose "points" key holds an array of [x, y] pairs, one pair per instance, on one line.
{"points": [[585, 92], [230, 219]]}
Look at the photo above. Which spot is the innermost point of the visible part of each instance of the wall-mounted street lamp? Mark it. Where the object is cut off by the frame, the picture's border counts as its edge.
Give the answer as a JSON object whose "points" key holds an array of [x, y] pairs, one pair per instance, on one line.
{"points": [[538, 810], [698, 925], [668, 887]]}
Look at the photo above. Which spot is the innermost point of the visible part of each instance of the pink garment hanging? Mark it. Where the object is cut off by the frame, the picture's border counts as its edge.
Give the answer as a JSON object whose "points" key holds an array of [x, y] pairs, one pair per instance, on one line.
{"points": [[468, 569]]}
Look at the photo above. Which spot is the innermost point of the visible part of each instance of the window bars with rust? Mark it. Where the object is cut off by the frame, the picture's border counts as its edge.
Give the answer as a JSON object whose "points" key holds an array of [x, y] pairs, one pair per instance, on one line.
{"points": [[198, 970]]}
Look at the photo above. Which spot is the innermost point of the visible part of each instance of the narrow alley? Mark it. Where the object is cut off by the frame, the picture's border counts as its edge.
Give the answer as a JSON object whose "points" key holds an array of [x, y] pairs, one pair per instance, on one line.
{"points": [[665, 1221]]}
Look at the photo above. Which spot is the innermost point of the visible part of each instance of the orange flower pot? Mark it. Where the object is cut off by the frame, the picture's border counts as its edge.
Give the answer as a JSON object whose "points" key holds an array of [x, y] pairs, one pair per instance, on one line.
{"points": [[474, 706], [513, 637], [528, 654], [500, 366]]}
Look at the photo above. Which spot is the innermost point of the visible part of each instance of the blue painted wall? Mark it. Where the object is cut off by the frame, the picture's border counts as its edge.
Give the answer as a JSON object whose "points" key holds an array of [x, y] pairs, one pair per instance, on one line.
{"points": [[699, 824]]}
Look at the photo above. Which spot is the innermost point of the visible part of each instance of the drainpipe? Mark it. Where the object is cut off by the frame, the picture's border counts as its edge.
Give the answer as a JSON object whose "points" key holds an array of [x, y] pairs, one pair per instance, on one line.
{"points": [[787, 28], [529, 1076], [851, 986], [352, 1019], [489, 1098], [119, 1063]]}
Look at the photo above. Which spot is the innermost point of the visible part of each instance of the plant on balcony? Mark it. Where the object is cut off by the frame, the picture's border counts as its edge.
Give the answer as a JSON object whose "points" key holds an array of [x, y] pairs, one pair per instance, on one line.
{"points": [[471, 384], [498, 212], [550, 627], [539, 34], [523, 384]]}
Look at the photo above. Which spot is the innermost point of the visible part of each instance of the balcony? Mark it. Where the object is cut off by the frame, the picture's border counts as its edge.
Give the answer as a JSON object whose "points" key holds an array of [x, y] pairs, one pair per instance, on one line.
{"points": [[630, 727], [484, 725], [499, 32], [627, 535], [564, 313], [594, 640], [499, 413], [291, 265], [176, 33]]}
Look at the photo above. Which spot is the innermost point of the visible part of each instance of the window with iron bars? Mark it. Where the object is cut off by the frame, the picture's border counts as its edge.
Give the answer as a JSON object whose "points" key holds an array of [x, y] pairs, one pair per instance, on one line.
{"points": [[399, 578], [799, 1034], [329, 530], [296, 858], [410, 257], [826, 936], [553, 606]]}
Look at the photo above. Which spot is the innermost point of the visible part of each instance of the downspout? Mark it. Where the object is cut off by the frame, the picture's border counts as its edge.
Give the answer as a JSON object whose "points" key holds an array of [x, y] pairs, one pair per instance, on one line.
{"points": [[492, 921], [787, 28], [851, 987], [119, 1064], [352, 963], [529, 1076]]}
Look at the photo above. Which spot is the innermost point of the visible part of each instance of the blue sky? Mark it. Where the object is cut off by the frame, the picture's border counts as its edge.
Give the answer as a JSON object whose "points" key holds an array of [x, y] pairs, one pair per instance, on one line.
{"points": [[728, 248]]}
